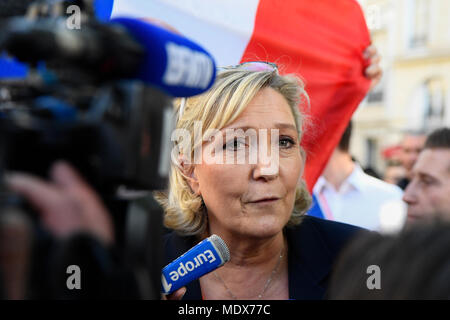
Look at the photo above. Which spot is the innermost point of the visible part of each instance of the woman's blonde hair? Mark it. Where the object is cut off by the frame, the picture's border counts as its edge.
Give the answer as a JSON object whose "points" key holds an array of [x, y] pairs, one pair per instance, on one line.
{"points": [[185, 211]]}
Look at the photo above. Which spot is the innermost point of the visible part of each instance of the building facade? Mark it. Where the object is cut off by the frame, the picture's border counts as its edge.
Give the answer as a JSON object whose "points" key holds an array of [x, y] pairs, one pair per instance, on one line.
{"points": [[413, 38]]}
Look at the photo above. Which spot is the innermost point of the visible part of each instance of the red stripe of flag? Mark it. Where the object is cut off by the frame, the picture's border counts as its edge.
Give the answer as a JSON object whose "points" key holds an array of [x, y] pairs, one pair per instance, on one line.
{"points": [[322, 41]]}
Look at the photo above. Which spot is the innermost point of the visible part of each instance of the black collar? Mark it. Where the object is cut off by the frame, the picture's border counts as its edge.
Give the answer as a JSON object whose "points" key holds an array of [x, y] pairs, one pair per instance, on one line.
{"points": [[309, 261], [313, 246]]}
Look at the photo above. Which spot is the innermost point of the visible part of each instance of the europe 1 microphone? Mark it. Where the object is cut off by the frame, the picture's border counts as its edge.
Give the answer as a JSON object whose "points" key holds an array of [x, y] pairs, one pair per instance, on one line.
{"points": [[206, 256]]}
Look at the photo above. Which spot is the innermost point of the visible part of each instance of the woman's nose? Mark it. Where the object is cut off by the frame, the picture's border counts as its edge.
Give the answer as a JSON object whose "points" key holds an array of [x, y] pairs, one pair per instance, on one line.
{"points": [[267, 167]]}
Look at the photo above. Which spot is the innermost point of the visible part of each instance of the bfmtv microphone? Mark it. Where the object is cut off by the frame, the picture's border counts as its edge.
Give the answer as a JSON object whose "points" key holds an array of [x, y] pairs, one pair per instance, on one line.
{"points": [[206, 256], [123, 48], [172, 62]]}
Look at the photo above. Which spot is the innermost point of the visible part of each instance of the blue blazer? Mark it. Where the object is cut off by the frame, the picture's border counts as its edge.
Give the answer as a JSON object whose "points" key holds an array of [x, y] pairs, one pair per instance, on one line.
{"points": [[313, 247]]}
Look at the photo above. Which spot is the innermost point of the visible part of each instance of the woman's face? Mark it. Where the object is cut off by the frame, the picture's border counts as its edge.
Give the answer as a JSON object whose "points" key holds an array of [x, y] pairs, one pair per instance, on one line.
{"points": [[250, 199]]}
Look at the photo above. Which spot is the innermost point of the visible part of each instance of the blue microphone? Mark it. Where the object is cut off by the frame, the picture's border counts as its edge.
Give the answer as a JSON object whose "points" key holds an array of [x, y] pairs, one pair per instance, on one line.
{"points": [[124, 48], [206, 256], [171, 62]]}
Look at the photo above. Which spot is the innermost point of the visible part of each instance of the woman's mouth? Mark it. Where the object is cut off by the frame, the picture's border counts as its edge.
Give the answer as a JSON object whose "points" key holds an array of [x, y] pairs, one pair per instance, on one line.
{"points": [[265, 200]]}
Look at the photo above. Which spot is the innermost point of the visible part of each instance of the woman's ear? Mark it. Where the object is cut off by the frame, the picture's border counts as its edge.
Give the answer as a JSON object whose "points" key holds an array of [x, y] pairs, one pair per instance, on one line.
{"points": [[191, 177], [193, 182]]}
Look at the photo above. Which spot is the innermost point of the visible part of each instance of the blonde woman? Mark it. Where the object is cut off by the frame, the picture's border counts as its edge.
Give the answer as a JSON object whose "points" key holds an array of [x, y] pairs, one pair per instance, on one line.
{"points": [[256, 202], [276, 251]]}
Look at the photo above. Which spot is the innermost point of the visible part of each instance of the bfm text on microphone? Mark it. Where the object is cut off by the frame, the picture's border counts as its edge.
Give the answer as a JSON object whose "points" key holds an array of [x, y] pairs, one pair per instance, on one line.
{"points": [[124, 48]]}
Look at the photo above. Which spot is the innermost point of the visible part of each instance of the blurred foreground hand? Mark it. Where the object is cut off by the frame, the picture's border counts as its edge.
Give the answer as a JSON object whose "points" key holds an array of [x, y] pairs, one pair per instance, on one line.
{"points": [[66, 203]]}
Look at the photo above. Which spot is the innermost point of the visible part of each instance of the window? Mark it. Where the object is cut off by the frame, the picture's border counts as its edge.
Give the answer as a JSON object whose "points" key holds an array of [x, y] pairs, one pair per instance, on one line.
{"points": [[434, 114], [419, 22], [428, 109]]}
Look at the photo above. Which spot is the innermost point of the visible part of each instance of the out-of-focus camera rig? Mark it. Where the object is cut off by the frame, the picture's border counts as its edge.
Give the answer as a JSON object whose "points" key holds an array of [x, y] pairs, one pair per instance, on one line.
{"points": [[76, 105]]}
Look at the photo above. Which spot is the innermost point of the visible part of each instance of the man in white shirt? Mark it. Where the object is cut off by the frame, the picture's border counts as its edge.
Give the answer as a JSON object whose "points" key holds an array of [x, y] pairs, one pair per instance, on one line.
{"points": [[346, 194]]}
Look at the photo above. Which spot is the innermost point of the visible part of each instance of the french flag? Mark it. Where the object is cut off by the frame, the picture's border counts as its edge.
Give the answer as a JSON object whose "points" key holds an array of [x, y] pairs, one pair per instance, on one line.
{"points": [[322, 41]]}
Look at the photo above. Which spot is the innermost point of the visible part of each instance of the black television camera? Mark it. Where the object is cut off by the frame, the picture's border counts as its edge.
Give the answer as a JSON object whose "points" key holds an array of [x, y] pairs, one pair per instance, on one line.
{"points": [[76, 105]]}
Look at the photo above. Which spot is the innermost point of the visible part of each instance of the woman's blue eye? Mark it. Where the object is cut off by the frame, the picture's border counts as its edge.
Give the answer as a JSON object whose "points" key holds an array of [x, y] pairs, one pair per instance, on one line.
{"points": [[286, 142], [234, 144]]}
